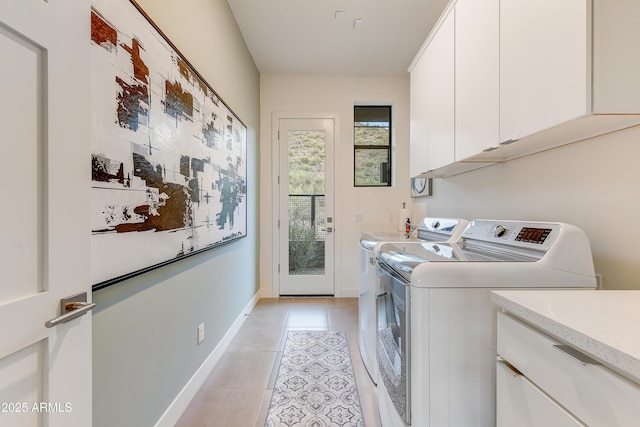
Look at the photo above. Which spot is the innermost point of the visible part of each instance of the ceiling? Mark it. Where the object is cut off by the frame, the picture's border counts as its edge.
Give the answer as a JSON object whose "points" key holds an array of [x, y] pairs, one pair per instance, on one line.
{"points": [[306, 37]]}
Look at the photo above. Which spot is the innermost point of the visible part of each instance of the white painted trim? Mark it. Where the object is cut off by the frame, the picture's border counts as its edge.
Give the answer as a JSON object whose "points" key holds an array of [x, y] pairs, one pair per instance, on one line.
{"points": [[349, 293], [267, 292], [445, 13], [275, 205], [172, 414]]}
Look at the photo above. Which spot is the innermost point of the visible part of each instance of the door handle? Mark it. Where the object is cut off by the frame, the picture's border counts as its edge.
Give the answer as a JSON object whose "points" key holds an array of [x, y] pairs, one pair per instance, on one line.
{"points": [[71, 307]]}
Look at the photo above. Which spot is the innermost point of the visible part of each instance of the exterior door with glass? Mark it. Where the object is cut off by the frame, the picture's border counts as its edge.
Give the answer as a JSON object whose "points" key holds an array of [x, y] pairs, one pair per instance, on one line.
{"points": [[305, 206]]}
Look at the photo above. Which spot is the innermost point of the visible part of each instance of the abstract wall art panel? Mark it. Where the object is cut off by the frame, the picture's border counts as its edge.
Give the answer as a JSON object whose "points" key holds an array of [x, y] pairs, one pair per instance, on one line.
{"points": [[168, 162]]}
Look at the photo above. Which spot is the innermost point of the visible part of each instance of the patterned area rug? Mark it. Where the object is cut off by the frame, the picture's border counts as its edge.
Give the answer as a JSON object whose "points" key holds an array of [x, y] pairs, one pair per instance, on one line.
{"points": [[315, 386]]}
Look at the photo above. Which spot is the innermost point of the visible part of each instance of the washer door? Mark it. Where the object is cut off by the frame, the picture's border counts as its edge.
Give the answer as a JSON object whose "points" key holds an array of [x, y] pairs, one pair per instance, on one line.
{"points": [[393, 338]]}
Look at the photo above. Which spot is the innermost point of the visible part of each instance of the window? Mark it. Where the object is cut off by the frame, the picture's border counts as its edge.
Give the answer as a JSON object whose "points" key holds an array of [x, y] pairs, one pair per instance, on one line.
{"points": [[372, 146]]}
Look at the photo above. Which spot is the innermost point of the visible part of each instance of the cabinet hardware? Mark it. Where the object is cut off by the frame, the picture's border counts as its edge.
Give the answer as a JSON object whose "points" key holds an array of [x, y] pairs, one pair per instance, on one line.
{"points": [[583, 358], [513, 369]]}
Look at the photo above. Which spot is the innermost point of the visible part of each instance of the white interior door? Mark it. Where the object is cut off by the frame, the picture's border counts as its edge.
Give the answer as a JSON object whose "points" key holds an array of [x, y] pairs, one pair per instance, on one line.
{"points": [[305, 202], [45, 372]]}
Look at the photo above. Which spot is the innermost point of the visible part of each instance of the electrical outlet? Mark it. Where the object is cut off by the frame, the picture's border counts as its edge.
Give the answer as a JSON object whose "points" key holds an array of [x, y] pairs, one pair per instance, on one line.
{"points": [[200, 333], [598, 281]]}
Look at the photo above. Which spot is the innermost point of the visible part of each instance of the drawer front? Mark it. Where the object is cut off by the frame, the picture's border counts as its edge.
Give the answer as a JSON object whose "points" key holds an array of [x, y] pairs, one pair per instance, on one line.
{"points": [[593, 393], [520, 403]]}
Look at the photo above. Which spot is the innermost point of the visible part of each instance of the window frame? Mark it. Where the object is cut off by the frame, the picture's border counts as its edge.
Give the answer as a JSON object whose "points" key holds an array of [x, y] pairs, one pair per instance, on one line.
{"points": [[387, 147]]}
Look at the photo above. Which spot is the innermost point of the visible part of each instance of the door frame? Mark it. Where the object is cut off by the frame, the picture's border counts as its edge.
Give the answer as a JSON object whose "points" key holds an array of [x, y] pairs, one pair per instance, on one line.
{"points": [[275, 193], [50, 363]]}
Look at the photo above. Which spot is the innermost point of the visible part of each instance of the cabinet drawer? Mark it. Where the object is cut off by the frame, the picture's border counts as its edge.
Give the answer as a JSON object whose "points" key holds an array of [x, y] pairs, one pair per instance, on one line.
{"points": [[520, 403], [593, 393]]}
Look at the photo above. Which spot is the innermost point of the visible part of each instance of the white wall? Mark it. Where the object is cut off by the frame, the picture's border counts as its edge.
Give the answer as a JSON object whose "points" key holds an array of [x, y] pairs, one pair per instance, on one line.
{"points": [[593, 184], [337, 95], [144, 335]]}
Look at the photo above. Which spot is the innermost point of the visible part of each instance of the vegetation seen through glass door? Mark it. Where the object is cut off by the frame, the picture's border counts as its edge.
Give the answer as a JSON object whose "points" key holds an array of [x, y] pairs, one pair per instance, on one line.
{"points": [[307, 219]]}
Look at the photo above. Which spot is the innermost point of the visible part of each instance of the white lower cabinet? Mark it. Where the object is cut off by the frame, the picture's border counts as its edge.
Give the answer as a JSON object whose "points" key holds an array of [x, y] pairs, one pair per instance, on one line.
{"points": [[520, 403], [541, 382]]}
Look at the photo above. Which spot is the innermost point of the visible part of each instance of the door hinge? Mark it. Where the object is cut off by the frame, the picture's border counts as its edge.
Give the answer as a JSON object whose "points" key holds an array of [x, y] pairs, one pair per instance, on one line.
{"points": [[278, 179], [278, 224], [278, 268]]}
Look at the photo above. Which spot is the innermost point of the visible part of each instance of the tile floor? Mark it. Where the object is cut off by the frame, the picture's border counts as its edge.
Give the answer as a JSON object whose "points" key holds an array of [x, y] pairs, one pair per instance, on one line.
{"points": [[238, 390]]}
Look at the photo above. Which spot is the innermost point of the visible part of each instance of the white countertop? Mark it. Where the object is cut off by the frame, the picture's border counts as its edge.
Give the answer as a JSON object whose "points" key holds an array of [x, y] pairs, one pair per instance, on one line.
{"points": [[602, 324]]}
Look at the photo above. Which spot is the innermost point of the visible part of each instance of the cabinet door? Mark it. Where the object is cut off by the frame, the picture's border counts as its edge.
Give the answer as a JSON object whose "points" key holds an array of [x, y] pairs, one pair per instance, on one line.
{"points": [[544, 64], [439, 57], [616, 57], [418, 122], [520, 403], [477, 67]]}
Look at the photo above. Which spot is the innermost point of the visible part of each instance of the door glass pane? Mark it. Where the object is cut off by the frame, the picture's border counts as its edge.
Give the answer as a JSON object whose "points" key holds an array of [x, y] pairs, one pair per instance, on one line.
{"points": [[307, 220]]}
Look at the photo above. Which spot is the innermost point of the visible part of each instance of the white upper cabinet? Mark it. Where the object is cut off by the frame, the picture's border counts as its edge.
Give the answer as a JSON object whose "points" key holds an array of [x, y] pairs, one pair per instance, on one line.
{"points": [[439, 95], [477, 78], [418, 119], [616, 62], [515, 77], [543, 56]]}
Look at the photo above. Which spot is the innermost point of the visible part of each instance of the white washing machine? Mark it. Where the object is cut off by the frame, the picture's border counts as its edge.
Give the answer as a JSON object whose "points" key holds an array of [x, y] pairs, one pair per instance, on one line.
{"points": [[436, 325], [429, 229]]}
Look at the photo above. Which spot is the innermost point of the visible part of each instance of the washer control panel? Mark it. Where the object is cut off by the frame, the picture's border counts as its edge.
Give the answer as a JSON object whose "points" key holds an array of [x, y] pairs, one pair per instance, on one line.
{"points": [[531, 235], [500, 231]]}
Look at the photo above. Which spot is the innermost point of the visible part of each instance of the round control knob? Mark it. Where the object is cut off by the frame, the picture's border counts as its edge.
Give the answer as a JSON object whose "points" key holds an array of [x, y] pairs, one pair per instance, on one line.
{"points": [[500, 231]]}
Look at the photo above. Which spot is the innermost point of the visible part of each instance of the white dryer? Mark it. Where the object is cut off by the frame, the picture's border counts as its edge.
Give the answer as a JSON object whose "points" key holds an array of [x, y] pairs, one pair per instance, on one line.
{"points": [[429, 229], [436, 345]]}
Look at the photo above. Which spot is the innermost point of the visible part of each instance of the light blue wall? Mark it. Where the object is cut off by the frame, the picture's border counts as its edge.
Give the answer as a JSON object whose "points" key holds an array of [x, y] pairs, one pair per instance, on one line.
{"points": [[144, 329]]}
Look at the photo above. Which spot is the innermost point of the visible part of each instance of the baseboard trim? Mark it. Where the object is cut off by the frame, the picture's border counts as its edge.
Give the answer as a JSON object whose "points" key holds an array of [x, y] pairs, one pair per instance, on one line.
{"points": [[344, 293], [172, 414], [267, 293]]}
